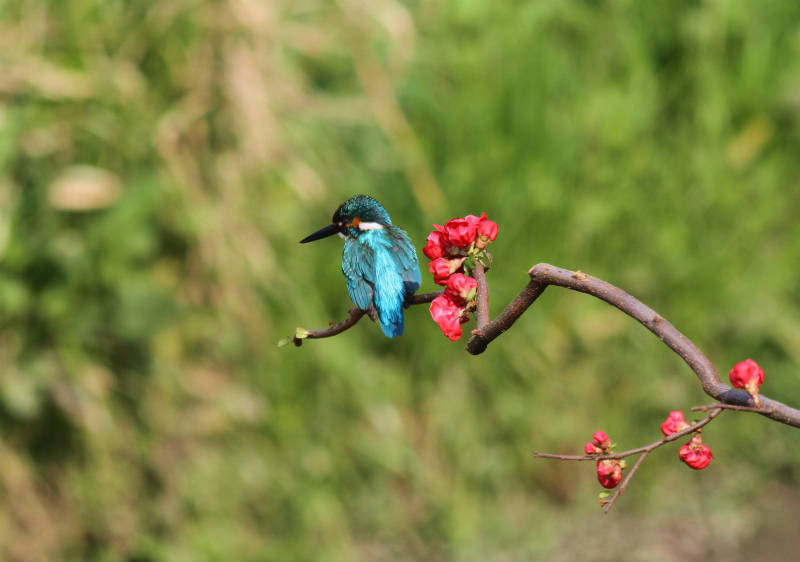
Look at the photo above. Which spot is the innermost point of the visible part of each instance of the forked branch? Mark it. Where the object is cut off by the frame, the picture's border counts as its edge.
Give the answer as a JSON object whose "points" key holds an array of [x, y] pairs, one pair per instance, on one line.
{"points": [[716, 409], [544, 274]]}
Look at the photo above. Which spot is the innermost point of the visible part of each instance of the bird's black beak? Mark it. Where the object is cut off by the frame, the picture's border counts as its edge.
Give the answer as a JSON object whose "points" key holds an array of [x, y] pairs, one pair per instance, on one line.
{"points": [[329, 230]]}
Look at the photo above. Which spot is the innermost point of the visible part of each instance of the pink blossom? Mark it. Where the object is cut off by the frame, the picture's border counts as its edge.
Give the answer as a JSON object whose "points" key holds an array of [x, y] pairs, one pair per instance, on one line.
{"points": [[674, 423], [448, 315], [461, 231], [748, 375], [745, 372], [695, 453], [435, 245], [609, 473], [601, 439], [460, 287], [440, 268], [592, 449], [487, 229]]}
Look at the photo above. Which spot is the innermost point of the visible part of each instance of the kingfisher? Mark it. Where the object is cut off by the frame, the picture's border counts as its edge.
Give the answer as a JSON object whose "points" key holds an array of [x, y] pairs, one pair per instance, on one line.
{"points": [[379, 263]]}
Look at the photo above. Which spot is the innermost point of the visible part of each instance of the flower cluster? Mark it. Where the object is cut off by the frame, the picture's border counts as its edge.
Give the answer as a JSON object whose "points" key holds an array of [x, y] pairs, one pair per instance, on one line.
{"points": [[599, 445], [609, 471], [749, 376], [449, 310], [695, 453], [454, 249]]}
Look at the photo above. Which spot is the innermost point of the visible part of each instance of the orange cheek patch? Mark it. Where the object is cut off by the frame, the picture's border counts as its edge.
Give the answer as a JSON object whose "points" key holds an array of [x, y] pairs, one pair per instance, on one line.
{"points": [[355, 222]]}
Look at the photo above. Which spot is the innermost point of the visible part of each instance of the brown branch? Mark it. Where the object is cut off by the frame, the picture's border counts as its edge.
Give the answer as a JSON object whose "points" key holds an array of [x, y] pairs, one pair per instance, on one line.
{"points": [[482, 337], [726, 407], [352, 319], [482, 295], [624, 484], [642, 451], [544, 274], [645, 449]]}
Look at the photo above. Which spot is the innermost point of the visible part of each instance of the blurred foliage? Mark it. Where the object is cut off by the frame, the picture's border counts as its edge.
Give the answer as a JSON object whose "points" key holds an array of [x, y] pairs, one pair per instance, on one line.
{"points": [[159, 162]]}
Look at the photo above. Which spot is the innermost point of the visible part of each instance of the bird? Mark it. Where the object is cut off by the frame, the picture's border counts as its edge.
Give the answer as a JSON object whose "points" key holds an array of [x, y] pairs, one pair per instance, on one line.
{"points": [[379, 263]]}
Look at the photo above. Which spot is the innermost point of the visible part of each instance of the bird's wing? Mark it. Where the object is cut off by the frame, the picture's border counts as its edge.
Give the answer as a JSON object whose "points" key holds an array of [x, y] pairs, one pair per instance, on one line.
{"points": [[406, 258], [358, 267]]}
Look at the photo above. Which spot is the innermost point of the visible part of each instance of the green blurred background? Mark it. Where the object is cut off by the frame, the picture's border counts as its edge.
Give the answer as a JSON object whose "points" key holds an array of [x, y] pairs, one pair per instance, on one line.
{"points": [[159, 162]]}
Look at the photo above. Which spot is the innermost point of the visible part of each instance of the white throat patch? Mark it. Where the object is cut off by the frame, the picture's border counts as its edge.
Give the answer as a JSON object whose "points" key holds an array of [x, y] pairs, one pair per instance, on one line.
{"points": [[370, 226]]}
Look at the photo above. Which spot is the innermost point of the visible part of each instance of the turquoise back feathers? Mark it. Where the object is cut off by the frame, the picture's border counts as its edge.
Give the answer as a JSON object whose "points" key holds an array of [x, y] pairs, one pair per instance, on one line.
{"points": [[379, 262]]}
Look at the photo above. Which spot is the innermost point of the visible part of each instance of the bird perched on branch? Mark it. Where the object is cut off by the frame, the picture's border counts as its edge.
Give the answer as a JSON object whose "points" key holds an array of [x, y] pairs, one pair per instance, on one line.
{"points": [[378, 262]]}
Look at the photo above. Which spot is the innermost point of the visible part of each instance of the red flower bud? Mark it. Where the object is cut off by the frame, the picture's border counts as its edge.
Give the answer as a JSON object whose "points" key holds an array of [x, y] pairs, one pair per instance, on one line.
{"points": [[592, 449], [487, 228], [440, 268], [448, 315], [609, 473], [435, 245], [749, 376], [745, 372], [461, 232], [601, 439], [460, 288], [695, 453], [674, 423]]}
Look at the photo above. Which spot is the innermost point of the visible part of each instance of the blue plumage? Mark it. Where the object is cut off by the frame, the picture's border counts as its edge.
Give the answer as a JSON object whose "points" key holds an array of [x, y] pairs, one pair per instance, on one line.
{"points": [[379, 262]]}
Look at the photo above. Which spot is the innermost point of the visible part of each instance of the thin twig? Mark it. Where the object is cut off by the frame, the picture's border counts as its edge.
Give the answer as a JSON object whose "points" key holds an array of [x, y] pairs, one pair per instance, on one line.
{"points": [[645, 449], [621, 489], [642, 451], [727, 407], [482, 295], [352, 319]]}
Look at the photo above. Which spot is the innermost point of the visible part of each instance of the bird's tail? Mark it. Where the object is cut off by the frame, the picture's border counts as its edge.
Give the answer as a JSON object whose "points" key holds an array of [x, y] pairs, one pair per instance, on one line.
{"points": [[392, 324]]}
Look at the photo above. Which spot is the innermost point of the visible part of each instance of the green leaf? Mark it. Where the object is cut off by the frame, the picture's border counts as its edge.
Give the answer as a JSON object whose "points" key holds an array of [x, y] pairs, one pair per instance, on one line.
{"points": [[469, 264], [300, 333], [603, 495], [284, 341]]}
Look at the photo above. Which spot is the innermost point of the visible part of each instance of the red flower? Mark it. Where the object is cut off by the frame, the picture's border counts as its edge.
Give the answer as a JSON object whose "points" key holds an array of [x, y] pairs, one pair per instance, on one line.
{"points": [[695, 453], [435, 245], [745, 372], [440, 268], [592, 449], [749, 376], [448, 315], [460, 287], [486, 228], [461, 232], [674, 423], [601, 439], [609, 473]]}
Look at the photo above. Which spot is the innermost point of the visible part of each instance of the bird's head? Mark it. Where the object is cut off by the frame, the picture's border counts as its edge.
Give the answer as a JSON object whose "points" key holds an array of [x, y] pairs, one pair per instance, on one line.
{"points": [[354, 216]]}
